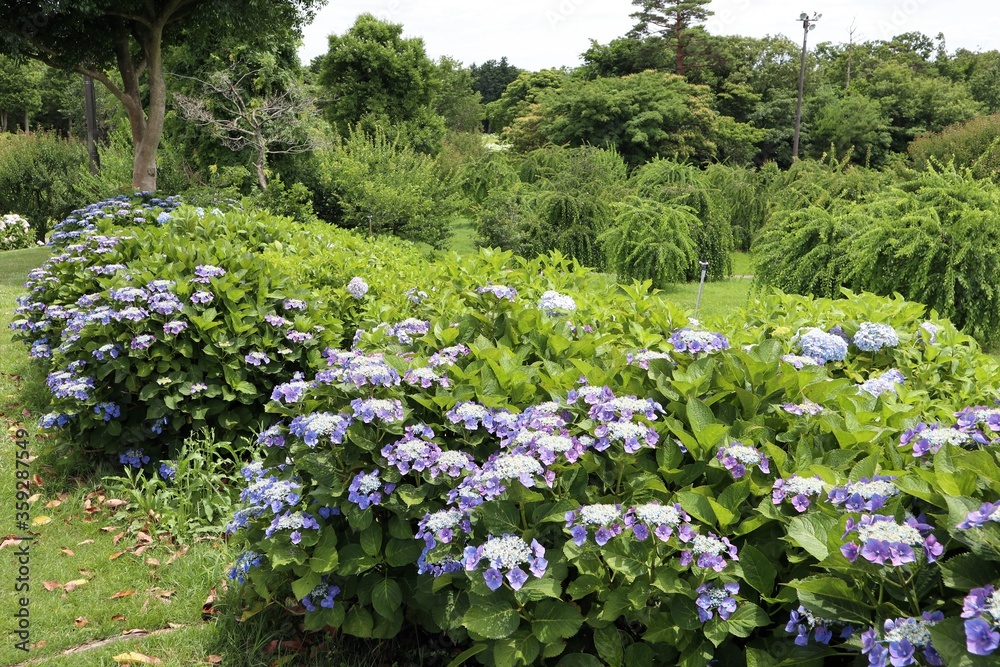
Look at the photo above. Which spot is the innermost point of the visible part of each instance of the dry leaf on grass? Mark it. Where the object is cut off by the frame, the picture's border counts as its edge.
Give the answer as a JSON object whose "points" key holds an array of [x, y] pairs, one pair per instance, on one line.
{"points": [[122, 594], [115, 503], [41, 520], [116, 555], [34, 498], [80, 544], [73, 585], [53, 503], [133, 658], [214, 659], [152, 562], [67, 551], [118, 617], [52, 585], [80, 622]]}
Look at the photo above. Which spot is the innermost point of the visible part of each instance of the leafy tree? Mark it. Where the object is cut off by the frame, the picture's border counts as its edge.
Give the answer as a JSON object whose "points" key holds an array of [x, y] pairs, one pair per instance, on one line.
{"points": [[492, 78], [121, 43], [371, 70], [624, 56], [642, 116], [672, 20], [517, 99], [650, 240], [19, 90], [457, 101], [852, 124]]}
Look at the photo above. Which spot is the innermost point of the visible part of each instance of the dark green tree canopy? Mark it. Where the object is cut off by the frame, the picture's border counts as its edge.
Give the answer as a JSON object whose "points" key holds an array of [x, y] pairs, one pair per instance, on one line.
{"points": [[371, 70], [672, 20], [492, 78]]}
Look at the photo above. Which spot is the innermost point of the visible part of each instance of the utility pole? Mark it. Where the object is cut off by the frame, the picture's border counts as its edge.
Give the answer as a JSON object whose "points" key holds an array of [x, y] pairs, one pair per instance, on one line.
{"points": [[90, 106], [807, 25]]}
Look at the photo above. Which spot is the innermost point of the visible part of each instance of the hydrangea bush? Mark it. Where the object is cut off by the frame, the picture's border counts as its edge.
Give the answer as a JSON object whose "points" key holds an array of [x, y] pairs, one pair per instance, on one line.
{"points": [[485, 448], [15, 232]]}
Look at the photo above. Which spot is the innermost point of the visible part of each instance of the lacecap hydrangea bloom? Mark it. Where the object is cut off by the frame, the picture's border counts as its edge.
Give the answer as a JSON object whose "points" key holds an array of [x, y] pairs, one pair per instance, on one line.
{"points": [[800, 491], [246, 561], [799, 361], [656, 519], [367, 489], [885, 383], [606, 519], [822, 346], [499, 291], [719, 600], [900, 640], [979, 416], [981, 609], [506, 552], [931, 438], [323, 595], [694, 341], [135, 458], [707, 551], [987, 512], [872, 337], [807, 407], [737, 458], [886, 541], [802, 622], [866, 494]]}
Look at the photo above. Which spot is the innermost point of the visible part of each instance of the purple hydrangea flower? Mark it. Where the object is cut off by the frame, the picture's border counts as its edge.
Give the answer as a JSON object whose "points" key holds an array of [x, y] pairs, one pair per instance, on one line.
{"points": [[290, 392], [981, 609], [978, 518], [901, 639], [174, 327], [656, 519], [715, 599], [695, 341], [416, 451], [807, 407], [425, 377], [822, 346], [370, 409], [452, 463], [468, 413], [440, 526], [276, 320], [246, 561], [405, 331], [800, 491], [135, 458], [499, 291], [357, 288], [866, 494], [884, 540], [143, 342], [506, 552], [367, 489], [738, 458], [318, 425], [257, 358], [633, 436], [294, 304], [705, 550], [930, 438], [205, 272], [872, 337], [448, 356], [802, 622], [642, 358], [606, 519], [202, 297], [357, 368]]}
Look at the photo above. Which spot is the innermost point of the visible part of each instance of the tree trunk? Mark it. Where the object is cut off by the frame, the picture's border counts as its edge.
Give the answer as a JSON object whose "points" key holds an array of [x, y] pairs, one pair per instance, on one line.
{"points": [[144, 166], [3, 121], [27, 124], [261, 175]]}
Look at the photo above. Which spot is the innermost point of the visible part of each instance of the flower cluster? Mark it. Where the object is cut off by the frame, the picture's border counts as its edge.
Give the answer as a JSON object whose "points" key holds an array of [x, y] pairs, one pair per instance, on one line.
{"points": [[802, 622], [872, 337], [885, 383], [978, 518], [357, 368], [883, 540], [499, 291], [318, 425], [425, 377], [800, 362], [367, 489], [866, 494], [405, 331], [205, 272], [15, 232], [980, 417], [659, 519], [800, 491], [384, 409], [441, 526], [807, 407], [716, 599], [981, 609], [135, 458], [821, 346], [737, 458], [642, 358], [695, 341], [901, 639], [554, 303], [416, 451], [705, 550], [607, 519], [246, 561], [357, 288], [930, 438], [506, 553]]}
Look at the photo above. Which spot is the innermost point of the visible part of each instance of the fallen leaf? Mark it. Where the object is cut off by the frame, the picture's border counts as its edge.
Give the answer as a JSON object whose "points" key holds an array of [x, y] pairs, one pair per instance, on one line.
{"points": [[73, 585], [34, 498], [108, 529], [36, 480], [208, 608], [177, 554], [116, 555], [174, 626], [85, 573], [53, 503], [135, 632], [39, 644], [138, 550], [80, 622], [40, 520], [293, 645], [133, 658], [118, 617], [122, 594], [80, 544], [62, 496], [153, 562], [117, 538], [214, 659], [25, 412], [115, 503], [270, 648], [9, 541], [52, 585], [143, 537]]}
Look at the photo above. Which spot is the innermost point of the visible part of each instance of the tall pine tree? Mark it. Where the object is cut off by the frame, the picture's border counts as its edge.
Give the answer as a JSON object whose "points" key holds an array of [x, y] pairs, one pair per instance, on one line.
{"points": [[672, 20]]}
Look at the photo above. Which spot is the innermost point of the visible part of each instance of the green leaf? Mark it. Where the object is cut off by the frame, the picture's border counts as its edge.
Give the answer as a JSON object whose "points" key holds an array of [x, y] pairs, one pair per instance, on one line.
{"points": [[516, 650], [324, 559], [608, 642], [700, 417], [554, 620], [831, 597], [354, 560], [639, 654], [402, 552], [491, 621], [500, 517], [747, 616], [303, 586], [757, 569], [579, 660], [968, 571], [697, 506], [358, 623], [810, 532], [386, 597], [371, 539], [584, 585], [470, 652], [624, 558]]}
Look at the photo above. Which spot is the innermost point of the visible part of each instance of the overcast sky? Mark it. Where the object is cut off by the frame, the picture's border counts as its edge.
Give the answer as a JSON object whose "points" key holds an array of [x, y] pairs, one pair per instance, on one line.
{"points": [[535, 34]]}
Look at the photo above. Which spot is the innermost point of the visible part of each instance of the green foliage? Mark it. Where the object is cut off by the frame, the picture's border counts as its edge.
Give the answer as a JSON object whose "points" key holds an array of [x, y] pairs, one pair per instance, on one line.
{"points": [[739, 192], [519, 95], [457, 100], [652, 241], [492, 78], [36, 176], [386, 187], [974, 145], [671, 182], [15, 232], [372, 70], [195, 494], [850, 124]]}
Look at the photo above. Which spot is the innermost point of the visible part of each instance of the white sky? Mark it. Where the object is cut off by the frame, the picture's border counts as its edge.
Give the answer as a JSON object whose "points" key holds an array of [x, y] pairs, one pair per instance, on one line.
{"points": [[535, 34]]}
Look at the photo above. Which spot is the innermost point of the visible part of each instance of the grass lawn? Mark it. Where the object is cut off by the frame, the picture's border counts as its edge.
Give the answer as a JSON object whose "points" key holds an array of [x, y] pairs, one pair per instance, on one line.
{"points": [[99, 569]]}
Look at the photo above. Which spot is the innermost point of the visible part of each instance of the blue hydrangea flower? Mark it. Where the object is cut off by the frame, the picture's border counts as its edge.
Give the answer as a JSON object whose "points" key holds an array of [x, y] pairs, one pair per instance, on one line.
{"points": [[716, 600], [357, 368], [323, 595], [134, 457], [370, 409], [467, 413], [822, 346], [737, 458], [981, 609], [499, 291], [416, 451], [54, 420], [802, 622], [866, 494], [885, 540], [607, 518], [872, 337], [108, 411], [357, 288], [800, 491], [328, 425], [885, 383], [506, 553], [205, 272], [708, 551], [554, 303], [901, 639], [168, 472], [440, 526], [367, 489], [930, 438], [405, 331], [695, 341], [656, 519], [290, 392], [987, 512]]}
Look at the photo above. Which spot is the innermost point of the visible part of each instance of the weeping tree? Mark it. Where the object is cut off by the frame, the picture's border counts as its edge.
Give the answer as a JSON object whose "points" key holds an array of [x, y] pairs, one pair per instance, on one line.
{"points": [[120, 43], [650, 240]]}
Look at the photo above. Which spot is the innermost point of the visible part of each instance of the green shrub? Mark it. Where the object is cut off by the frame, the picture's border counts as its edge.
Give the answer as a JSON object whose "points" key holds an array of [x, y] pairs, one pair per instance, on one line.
{"points": [[651, 241], [739, 191], [974, 144], [15, 232], [37, 174], [386, 187]]}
